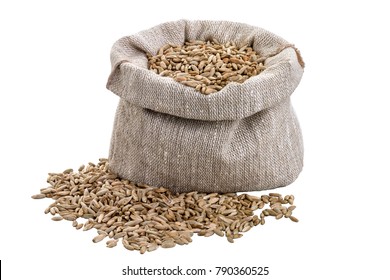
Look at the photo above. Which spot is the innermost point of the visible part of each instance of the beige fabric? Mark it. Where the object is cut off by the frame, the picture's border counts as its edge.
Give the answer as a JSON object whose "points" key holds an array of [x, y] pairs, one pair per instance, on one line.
{"points": [[242, 138]]}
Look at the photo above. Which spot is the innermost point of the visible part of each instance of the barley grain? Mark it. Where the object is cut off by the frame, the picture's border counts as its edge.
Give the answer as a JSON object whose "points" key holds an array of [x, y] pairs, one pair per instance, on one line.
{"points": [[38, 196], [146, 218], [111, 243], [292, 218], [195, 59]]}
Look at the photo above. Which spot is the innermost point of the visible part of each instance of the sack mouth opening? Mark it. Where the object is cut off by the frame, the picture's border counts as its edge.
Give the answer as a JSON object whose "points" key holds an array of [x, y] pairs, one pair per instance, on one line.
{"points": [[131, 78], [141, 64]]}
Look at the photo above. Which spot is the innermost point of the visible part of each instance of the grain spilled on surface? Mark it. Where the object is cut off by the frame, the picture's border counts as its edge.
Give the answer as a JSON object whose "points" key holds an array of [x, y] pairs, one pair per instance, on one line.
{"points": [[144, 218]]}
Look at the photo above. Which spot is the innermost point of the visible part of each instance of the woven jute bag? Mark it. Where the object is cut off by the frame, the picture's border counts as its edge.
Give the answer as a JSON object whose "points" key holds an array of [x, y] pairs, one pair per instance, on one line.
{"points": [[245, 137]]}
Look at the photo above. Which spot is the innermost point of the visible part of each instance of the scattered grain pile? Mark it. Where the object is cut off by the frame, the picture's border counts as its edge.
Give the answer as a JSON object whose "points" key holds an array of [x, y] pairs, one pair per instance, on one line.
{"points": [[206, 66], [145, 218]]}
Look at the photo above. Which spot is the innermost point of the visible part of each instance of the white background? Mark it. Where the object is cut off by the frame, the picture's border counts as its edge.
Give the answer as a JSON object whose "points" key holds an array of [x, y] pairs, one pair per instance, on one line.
{"points": [[56, 113]]}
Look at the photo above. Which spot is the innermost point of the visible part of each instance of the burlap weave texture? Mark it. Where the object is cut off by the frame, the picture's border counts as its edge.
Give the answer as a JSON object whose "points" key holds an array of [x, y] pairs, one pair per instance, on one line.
{"points": [[244, 137]]}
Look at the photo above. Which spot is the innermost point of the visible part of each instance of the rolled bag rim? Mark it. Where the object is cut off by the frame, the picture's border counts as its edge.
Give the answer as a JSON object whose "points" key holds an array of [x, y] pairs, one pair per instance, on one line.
{"points": [[131, 80]]}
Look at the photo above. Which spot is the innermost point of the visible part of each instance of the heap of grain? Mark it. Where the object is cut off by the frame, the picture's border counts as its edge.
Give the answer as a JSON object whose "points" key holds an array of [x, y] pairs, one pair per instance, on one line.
{"points": [[145, 218], [206, 66]]}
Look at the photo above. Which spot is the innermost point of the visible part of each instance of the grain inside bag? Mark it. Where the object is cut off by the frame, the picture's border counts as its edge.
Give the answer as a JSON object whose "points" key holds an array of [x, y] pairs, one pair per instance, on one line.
{"points": [[243, 137]]}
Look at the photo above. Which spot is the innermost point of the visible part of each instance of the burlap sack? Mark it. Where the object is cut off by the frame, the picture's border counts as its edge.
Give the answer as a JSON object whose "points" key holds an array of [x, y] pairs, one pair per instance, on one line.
{"points": [[244, 137]]}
